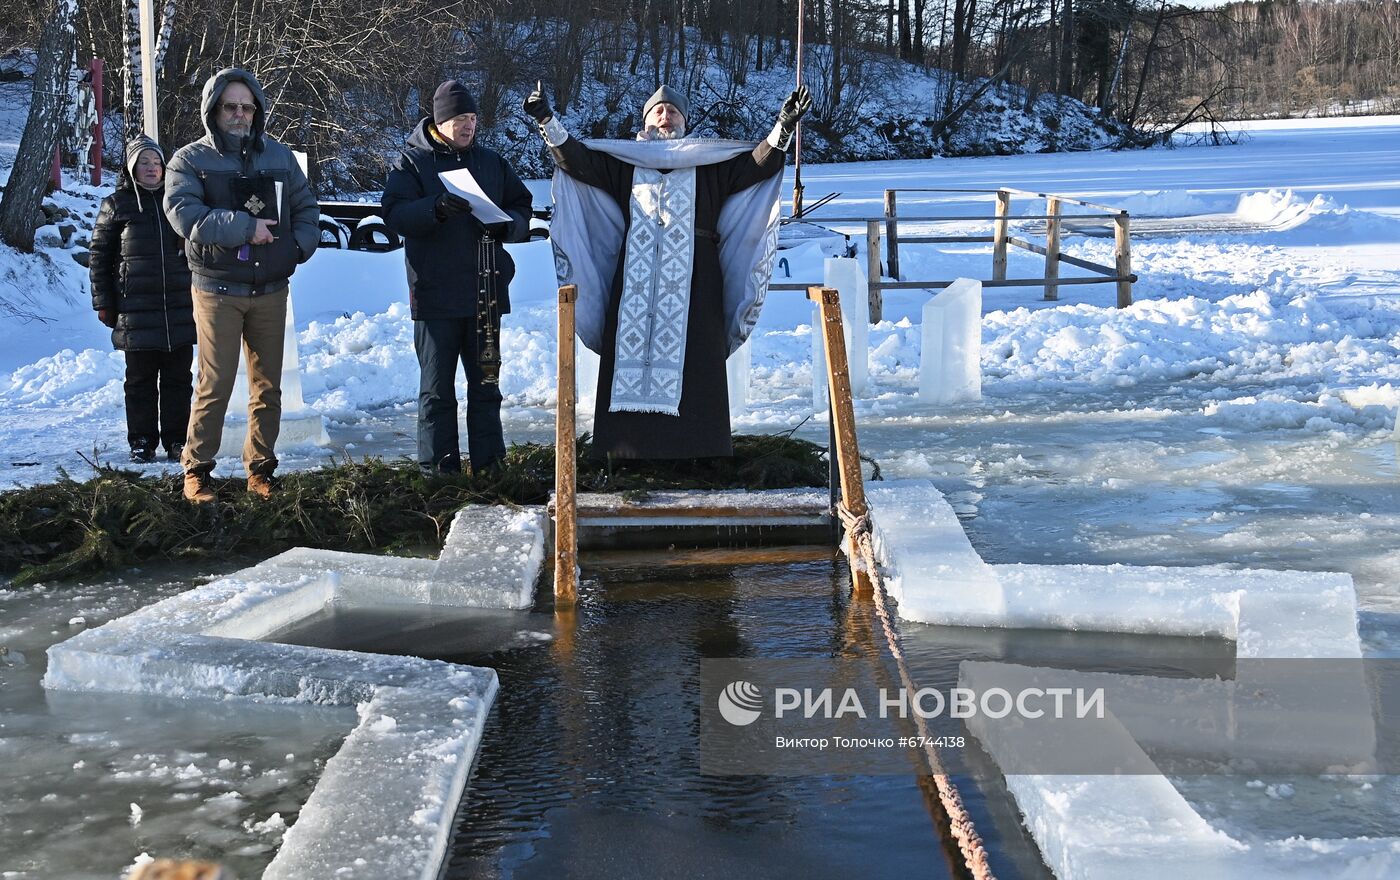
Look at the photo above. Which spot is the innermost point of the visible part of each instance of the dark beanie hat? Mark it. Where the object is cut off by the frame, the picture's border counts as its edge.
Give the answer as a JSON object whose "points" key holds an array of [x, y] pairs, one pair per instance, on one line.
{"points": [[452, 99]]}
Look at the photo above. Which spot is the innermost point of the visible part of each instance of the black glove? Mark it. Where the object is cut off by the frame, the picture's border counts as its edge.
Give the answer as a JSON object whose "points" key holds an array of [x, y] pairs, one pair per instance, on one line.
{"points": [[538, 106], [449, 205], [794, 108]]}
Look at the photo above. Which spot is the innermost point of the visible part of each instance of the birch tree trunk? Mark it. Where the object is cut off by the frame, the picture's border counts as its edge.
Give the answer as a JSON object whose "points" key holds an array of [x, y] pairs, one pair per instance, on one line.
{"points": [[19, 208]]}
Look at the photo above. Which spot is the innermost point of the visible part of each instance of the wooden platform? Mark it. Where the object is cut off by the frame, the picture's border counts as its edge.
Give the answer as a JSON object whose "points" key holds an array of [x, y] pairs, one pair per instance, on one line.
{"points": [[703, 518]]}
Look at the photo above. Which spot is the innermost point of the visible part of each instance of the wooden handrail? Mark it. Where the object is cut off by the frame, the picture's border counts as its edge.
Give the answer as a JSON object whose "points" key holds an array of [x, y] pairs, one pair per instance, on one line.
{"points": [[843, 417], [565, 463], [888, 240], [1052, 249]]}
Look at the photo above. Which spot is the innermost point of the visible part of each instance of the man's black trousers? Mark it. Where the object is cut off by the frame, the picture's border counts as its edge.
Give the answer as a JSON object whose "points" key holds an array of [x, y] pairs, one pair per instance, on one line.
{"points": [[441, 343]]}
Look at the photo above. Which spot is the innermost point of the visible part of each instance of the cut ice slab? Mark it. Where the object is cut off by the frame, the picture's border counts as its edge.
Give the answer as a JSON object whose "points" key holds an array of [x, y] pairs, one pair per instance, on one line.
{"points": [[1106, 827], [950, 364], [385, 804], [937, 577], [1136, 824]]}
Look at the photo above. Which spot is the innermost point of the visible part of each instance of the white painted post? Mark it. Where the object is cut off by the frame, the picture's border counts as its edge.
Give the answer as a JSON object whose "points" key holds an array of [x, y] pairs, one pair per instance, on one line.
{"points": [[149, 122], [950, 365]]}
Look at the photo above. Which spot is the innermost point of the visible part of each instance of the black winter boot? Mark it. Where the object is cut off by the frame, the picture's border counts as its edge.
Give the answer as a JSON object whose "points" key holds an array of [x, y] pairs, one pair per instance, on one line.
{"points": [[143, 451]]}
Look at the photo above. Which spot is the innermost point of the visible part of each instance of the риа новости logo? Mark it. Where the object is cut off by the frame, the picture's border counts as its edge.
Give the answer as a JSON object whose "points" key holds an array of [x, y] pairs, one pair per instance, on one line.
{"points": [[740, 703]]}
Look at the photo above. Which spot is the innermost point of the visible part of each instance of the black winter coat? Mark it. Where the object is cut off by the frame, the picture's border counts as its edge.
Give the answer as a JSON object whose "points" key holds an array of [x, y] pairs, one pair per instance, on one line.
{"points": [[441, 257], [138, 269]]}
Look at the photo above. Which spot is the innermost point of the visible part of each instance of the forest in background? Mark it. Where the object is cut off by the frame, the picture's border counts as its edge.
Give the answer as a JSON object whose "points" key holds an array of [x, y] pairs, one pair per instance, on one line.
{"points": [[349, 77]]}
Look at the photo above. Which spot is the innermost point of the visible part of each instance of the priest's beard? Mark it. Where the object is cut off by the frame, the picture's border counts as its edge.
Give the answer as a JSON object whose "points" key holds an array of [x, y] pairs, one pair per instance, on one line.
{"points": [[651, 133]]}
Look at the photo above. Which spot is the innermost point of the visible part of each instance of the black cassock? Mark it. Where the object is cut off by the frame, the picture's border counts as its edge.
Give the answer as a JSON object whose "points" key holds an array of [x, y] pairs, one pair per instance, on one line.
{"points": [[702, 428]]}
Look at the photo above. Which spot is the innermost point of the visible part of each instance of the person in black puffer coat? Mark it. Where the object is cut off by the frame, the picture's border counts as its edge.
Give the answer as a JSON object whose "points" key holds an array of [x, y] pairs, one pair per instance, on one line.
{"points": [[444, 245], [141, 289]]}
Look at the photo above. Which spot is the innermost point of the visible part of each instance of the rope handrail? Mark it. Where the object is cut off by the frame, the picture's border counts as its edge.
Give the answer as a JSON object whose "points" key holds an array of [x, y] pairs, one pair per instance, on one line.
{"points": [[960, 823]]}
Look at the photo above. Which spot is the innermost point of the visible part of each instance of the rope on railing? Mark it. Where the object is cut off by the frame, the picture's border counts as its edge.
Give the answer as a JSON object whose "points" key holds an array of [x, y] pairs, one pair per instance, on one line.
{"points": [[969, 842]]}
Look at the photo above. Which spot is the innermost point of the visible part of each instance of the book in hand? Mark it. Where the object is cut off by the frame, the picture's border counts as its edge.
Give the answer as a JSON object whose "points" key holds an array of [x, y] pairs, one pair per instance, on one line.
{"points": [[257, 196]]}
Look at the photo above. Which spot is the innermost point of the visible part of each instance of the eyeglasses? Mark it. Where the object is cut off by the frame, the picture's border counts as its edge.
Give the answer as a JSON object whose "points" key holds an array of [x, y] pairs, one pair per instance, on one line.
{"points": [[232, 107]]}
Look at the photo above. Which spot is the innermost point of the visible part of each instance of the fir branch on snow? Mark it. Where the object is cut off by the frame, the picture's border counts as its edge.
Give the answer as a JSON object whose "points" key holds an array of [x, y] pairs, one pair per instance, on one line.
{"points": [[119, 518]]}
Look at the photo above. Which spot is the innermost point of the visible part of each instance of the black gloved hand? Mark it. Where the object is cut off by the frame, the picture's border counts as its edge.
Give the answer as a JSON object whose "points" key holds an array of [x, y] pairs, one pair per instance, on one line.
{"points": [[794, 108], [537, 105], [449, 205]]}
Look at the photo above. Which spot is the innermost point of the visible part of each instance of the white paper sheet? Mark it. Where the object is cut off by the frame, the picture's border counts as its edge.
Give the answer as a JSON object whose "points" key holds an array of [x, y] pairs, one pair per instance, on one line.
{"points": [[461, 182]]}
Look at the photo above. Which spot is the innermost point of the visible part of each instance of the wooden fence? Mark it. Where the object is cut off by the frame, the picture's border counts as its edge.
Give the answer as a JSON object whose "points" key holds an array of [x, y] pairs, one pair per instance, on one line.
{"points": [[882, 235]]}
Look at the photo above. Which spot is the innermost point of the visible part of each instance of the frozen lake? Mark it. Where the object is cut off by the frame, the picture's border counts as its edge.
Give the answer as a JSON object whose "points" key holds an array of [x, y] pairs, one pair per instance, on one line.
{"points": [[1241, 413]]}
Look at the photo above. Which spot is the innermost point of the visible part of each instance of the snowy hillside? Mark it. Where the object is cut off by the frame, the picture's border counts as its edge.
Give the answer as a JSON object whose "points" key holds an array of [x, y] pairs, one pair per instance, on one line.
{"points": [[888, 110]]}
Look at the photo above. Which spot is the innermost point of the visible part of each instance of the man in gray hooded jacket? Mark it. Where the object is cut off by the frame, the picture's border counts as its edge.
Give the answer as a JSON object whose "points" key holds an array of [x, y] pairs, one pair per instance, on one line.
{"points": [[242, 203]]}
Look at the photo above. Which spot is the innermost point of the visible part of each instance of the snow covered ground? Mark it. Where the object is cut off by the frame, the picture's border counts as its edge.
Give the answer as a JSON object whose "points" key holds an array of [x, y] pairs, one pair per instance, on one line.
{"points": [[1239, 413]]}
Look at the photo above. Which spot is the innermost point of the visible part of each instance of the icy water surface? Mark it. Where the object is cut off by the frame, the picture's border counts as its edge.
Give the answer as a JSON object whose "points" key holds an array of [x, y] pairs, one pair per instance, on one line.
{"points": [[589, 765], [89, 782]]}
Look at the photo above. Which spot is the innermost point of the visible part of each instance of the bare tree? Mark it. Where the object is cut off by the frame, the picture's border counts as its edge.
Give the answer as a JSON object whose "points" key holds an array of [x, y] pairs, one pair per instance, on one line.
{"points": [[19, 209]]}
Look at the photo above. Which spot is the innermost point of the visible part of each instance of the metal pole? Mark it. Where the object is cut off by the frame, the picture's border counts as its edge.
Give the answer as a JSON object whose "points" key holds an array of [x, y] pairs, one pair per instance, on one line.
{"points": [[797, 137], [149, 122]]}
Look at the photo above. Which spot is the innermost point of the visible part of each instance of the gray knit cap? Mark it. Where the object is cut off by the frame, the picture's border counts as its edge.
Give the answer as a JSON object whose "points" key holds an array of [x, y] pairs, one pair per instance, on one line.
{"points": [[135, 147], [667, 95]]}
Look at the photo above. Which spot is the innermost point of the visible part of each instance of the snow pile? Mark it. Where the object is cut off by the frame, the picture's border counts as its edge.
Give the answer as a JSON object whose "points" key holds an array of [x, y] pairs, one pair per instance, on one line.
{"points": [[87, 380], [1280, 334]]}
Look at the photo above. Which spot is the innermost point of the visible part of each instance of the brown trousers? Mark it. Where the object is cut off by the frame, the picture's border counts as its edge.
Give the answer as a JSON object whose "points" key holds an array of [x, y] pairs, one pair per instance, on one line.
{"points": [[224, 324]]}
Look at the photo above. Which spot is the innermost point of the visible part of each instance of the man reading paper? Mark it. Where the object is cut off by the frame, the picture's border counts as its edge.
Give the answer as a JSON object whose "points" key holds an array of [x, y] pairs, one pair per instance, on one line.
{"points": [[458, 275]]}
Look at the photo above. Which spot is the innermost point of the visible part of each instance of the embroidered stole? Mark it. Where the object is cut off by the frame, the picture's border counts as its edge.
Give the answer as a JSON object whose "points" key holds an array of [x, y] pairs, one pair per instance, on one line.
{"points": [[653, 313]]}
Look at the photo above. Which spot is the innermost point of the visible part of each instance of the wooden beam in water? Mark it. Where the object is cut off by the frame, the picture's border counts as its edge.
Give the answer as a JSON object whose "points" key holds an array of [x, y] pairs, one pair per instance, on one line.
{"points": [[681, 558]]}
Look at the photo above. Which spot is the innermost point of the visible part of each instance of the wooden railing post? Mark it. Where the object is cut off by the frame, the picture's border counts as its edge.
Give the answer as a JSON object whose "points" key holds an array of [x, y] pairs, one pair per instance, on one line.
{"points": [[847, 450], [1052, 248], [565, 466], [999, 233], [872, 253], [892, 233], [1123, 259]]}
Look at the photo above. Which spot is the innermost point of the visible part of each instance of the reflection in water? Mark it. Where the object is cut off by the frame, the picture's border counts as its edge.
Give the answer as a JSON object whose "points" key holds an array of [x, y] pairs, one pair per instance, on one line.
{"points": [[589, 765]]}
